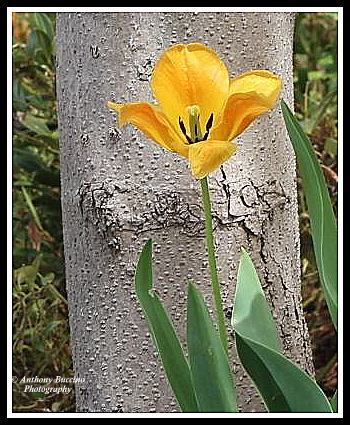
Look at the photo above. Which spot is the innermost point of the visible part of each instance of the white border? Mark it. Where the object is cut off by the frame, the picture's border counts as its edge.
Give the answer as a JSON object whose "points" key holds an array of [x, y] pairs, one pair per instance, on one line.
{"points": [[9, 213], [340, 212], [174, 9], [339, 10]]}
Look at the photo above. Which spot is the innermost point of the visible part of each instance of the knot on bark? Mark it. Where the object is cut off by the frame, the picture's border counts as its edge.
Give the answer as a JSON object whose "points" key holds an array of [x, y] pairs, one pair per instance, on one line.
{"points": [[115, 208]]}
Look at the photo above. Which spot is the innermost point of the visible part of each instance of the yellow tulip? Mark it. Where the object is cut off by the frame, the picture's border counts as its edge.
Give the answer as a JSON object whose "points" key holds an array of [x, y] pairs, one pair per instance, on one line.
{"points": [[190, 80]]}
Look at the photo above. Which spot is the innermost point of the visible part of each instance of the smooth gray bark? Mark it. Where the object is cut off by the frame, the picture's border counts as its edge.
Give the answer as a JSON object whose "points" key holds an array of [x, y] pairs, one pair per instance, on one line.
{"points": [[119, 189]]}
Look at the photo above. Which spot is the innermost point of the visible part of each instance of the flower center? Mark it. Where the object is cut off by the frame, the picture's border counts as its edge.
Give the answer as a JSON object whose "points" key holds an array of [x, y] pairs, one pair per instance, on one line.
{"points": [[195, 128]]}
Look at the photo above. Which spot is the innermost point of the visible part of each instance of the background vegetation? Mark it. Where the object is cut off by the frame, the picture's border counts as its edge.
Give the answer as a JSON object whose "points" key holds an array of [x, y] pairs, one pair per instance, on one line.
{"points": [[315, 90], [40, 315]]}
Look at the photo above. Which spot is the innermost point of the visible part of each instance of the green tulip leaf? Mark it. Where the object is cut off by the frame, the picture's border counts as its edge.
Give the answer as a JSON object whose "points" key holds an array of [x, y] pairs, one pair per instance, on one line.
{"points": [[164, 335], [209, 364], [334, 402], [283, 386], [322, 218], [252, 315]]}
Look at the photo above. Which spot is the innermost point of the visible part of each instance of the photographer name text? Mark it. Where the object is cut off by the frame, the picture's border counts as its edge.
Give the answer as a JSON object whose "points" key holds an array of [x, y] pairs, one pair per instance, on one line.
{"points": [[49, 380]]}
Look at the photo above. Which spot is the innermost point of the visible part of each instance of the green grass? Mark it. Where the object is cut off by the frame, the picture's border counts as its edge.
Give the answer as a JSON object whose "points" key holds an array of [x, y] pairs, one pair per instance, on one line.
{"points": [[40, 313]]}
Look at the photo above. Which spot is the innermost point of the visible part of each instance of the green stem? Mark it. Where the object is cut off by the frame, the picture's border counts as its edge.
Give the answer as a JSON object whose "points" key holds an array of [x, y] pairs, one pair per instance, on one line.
{"points": [[212, 263], [196, 135]]}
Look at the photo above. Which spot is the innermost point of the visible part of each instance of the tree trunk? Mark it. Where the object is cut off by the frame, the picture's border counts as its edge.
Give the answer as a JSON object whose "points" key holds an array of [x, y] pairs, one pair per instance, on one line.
{"points": [[119, 189]]}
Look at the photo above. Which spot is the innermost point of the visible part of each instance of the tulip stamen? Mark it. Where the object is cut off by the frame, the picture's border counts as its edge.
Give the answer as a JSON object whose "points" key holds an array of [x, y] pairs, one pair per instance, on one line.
{"points": [[195, 127], [183, 129], [208, 126]]}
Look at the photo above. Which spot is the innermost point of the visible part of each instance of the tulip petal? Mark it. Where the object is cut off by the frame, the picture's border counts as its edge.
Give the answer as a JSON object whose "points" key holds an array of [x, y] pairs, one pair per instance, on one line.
{"points": [[251, 94], [262, 82], [187, 75], [207, 156], [150, 120]]}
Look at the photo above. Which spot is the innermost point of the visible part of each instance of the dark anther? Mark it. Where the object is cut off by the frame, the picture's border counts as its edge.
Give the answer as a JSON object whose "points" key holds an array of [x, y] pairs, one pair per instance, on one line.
{"points": [[182, 126], [208, 126], [183, 129], [209, 122]]}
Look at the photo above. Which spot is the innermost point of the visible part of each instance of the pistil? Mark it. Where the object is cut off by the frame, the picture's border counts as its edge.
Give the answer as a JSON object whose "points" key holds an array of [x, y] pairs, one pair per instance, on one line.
{"points": [[195, 128]]}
